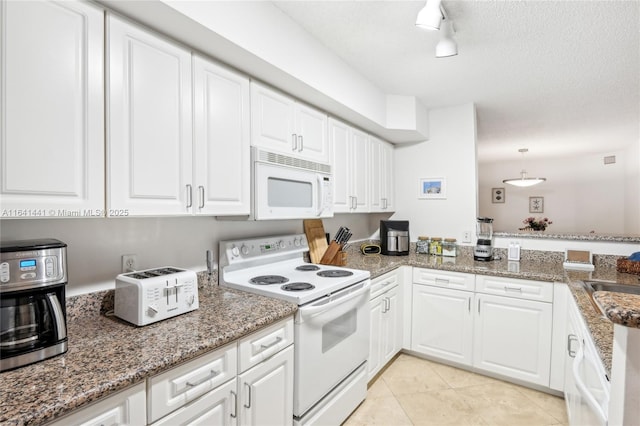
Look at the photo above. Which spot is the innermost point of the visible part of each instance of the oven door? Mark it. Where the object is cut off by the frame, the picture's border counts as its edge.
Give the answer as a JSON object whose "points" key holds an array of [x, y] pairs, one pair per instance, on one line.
{"points": [[282, 192], [332, 340]]}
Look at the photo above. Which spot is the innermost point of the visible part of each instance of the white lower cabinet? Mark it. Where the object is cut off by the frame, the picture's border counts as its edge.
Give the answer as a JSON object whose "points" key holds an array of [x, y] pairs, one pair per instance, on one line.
{"points": [[386, 321], [442, 323], [125, 408], [265, 392], [512, 337], [500, 325]]}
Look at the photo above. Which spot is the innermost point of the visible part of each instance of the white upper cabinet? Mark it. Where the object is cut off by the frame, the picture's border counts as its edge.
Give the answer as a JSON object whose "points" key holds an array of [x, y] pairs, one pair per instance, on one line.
{"points": [[281, 124], [149, 144], [382, 192], [222, 131], [51, 119], [350, 150]]}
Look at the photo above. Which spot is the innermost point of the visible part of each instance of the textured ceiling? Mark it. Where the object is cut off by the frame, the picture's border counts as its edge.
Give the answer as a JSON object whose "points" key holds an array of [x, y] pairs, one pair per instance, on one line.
{"points": [[557, 77]]}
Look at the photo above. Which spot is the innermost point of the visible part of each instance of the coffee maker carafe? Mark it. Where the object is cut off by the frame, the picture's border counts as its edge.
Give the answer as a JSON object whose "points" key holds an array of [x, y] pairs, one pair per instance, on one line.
{"points": [[484, 246], [394, 237]]}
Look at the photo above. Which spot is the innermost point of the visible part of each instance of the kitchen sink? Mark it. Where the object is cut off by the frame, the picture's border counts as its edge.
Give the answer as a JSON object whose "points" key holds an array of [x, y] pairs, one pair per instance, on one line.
{"points": [[592, 286]]}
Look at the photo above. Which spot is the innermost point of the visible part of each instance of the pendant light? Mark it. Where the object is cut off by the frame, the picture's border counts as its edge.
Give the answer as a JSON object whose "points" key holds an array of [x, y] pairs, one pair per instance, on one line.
{"points": [[523, 180]]}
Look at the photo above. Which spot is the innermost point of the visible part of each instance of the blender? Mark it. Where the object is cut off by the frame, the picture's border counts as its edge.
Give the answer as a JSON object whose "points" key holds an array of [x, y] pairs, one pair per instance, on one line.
{"points": [[484, 246]]}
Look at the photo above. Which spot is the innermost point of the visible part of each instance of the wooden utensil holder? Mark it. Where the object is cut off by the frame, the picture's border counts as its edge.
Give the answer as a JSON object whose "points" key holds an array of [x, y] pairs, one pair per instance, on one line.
{"points": [[334, 255]]}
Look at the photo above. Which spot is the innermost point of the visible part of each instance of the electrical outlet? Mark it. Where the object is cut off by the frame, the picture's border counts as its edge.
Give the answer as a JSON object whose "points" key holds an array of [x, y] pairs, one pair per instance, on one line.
{"points": [[466, 237], [129, 262]]}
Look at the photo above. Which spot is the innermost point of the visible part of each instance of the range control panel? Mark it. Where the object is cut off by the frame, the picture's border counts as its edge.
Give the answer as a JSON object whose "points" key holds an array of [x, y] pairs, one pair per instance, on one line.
{"points": [[238, 251]]}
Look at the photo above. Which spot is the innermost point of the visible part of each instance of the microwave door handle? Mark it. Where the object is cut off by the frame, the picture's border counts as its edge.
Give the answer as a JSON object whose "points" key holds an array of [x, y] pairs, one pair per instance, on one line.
{"points": [[320, 196], [57, 315]]}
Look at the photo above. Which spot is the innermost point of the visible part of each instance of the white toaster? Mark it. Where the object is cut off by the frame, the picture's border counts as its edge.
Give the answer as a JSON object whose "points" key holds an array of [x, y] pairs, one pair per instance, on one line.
{"points": [[145, 297]]}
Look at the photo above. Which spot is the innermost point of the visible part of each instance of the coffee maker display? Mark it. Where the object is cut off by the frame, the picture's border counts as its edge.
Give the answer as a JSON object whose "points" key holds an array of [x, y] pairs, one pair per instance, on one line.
{"points": [[484, 246], [394, 237]]}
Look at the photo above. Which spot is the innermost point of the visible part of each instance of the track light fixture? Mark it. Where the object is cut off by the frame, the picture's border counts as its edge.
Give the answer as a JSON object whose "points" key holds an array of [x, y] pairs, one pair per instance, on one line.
{"points": [[433, 17], [430, 16], [447, 46]]}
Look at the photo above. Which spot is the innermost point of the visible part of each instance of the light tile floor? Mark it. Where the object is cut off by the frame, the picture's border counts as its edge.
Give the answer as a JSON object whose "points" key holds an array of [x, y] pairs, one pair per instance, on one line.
{"points": [[414, 391]]}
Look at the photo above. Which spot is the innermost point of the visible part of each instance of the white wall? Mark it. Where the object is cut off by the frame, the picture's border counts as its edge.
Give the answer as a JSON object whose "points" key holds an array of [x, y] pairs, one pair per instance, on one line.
{"points": [[581, 194], [632, 189], [450, 153], [95, 246]]}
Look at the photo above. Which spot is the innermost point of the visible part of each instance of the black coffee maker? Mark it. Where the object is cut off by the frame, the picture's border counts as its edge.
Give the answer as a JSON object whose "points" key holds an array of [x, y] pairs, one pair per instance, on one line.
{"points": [[394, 237]]}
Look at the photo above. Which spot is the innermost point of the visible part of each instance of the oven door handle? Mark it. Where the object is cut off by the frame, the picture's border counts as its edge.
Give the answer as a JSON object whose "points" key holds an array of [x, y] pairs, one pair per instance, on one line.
{"points": [[334, 301]]}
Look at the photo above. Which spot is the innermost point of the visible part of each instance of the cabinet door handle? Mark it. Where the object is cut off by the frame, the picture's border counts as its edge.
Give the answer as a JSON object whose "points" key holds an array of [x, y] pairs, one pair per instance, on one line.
{"points": [[300, 143], [189, 196], [294, 142], [249, 395], [234, 405], [275, 342], [478, 306], [570, 339], [201, 193], [469, 305], [212, 374]]}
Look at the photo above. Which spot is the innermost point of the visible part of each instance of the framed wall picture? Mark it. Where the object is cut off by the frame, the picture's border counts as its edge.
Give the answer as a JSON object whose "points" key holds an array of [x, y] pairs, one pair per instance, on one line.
{"points": [[432, 188], [497, 195], [536, 204]]}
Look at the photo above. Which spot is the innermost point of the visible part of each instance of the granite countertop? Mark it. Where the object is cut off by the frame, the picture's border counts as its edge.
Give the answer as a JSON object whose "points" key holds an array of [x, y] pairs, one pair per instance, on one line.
{"points": [[107, 354], [534, 265]]}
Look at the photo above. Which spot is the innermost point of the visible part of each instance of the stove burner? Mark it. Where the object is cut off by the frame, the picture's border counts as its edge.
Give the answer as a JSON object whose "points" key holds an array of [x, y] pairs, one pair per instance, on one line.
{"points": [[268, 279], [298, 287], [334, 273], [308, 267]]}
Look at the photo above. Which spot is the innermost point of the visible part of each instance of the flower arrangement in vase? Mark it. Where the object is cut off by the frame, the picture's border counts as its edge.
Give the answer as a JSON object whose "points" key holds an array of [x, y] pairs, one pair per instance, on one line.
{"points": [[536, 224]]}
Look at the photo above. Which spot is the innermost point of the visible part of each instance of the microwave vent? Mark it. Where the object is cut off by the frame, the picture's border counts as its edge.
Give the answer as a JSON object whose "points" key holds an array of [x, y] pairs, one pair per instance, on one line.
{"points": [[284, 160]]}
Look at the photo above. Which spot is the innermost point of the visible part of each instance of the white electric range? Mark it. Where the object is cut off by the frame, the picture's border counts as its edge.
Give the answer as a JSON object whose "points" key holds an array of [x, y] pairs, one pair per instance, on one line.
{"points": [[331, 326]]}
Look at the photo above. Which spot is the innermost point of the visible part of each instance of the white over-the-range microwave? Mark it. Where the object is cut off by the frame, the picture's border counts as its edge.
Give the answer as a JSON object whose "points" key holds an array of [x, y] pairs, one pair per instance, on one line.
{"points": [[289, 188]]}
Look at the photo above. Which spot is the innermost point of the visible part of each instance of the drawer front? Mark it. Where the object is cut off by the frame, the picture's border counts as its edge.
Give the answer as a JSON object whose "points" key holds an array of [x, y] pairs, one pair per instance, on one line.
{"points": [[511, 287], [445, 279], [383, 283], [174, 388], [218, 407], [123, 408], [261, 345]]}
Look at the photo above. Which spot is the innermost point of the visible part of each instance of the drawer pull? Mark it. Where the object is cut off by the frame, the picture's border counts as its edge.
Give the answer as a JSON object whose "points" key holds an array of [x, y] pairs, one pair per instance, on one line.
{"points": [[213, 374], [442, 281], [275, 342], [518, 289], [385, 283]]}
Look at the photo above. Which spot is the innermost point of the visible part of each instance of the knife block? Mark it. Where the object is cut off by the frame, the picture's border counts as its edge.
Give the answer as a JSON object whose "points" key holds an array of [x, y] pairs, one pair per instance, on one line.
{"points": [[334, 255]]}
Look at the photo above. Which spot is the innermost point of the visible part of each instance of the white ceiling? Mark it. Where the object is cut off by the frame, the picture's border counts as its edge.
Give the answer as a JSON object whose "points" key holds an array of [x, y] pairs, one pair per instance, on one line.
{"points": [[557, 77]]}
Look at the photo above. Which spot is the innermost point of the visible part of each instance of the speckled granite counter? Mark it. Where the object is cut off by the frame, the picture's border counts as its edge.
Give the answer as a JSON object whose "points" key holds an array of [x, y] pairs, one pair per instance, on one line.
{"points": [[541, 266], [106, 354]]}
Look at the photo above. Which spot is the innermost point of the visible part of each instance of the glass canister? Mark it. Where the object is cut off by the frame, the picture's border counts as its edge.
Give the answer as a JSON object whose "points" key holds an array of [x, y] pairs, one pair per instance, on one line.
{"points": [[435, 246], [422, 245], [449, 247]]}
